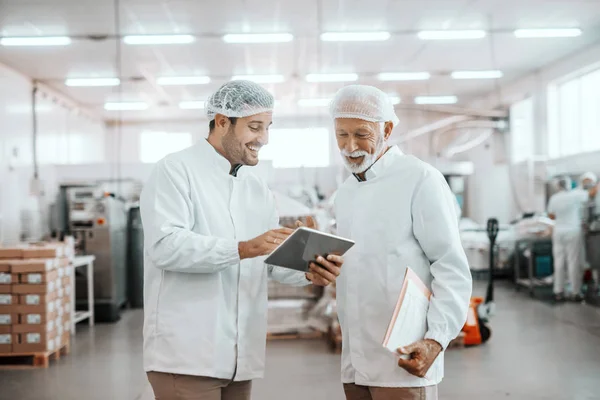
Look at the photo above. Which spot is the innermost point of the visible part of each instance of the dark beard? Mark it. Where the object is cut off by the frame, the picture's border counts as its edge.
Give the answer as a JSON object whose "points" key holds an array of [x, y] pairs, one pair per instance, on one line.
{"points": [[233, 149]]}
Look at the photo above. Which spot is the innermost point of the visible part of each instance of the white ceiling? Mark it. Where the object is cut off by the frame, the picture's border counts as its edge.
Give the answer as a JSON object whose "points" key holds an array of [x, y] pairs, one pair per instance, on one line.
{"points": [[208, 55]]}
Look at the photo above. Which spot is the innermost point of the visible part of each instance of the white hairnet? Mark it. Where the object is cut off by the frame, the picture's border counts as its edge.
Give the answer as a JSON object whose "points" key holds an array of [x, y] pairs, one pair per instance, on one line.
{"points": [[363, 102], [589, 175], [239, 99]]}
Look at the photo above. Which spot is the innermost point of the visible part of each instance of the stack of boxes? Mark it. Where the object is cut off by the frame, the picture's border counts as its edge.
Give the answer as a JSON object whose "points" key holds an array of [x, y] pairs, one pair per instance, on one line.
{"points": [[36, 288]]}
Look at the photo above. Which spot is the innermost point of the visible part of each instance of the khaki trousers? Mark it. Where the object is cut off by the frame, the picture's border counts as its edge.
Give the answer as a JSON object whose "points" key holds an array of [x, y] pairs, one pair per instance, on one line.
{"points": [[188, 387], [356, 392]]}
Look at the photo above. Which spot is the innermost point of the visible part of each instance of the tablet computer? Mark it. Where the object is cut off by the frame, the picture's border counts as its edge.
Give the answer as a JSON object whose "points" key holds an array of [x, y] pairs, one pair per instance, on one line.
{"points": [[305, 245]]}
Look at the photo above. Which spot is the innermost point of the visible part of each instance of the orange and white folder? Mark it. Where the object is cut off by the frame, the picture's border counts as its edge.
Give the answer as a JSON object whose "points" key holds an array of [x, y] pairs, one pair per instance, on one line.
{"points": [[409, 321]]}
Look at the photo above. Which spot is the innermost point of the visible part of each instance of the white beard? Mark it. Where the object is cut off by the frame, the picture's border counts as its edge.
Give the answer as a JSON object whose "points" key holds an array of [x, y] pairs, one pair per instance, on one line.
{"points": [[368, 160]]}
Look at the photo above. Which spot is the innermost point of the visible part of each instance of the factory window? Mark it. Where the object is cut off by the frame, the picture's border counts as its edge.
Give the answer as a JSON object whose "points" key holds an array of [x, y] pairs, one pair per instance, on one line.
{"points": [[521, 130], [156, 145], [295, 148], [573, 117]]}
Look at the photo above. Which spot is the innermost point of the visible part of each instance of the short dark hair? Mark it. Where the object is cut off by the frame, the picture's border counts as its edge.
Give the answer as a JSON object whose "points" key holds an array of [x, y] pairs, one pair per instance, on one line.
{"points": [[211, 124]]}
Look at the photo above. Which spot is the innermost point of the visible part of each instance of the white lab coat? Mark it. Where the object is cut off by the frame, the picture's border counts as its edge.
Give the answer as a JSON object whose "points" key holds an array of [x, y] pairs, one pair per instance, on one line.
{"points": [[204, 310], [403, 215], [568, 238]]}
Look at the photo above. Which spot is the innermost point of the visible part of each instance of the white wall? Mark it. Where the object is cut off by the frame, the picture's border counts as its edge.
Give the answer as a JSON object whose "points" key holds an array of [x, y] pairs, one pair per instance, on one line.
{"points": [[65, 136]]}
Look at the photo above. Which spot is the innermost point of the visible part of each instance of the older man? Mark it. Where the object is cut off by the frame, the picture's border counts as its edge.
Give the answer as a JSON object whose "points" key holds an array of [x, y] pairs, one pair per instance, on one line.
{"points": [[208, 223], [401, 213]]}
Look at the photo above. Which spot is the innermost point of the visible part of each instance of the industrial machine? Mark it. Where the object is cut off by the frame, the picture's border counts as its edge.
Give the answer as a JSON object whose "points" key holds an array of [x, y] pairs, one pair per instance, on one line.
{"points": [[98, 222], [481, 310]]}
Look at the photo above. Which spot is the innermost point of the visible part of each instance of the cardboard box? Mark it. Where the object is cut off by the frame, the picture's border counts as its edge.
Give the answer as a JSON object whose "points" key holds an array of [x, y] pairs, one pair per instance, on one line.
{"points": [[11, 252], [31, 342], [47, 308], [5, 329], [33, 265], [38, 318], [9, 319], [66, 281], [9, 299], [45, 251], [36, 278], [63, 262], [9, 309], [37, 299], [6, 289], [25, 288], [7, 341], [5, 266]]}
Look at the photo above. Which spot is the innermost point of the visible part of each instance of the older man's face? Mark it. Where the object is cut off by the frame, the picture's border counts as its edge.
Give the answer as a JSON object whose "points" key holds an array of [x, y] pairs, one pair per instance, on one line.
{"points": [[360, 142]]}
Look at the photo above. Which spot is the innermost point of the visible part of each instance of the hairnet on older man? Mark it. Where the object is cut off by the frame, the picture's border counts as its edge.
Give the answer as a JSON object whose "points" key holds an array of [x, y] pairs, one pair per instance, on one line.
{"points": [[363, 102], [239, 99]]}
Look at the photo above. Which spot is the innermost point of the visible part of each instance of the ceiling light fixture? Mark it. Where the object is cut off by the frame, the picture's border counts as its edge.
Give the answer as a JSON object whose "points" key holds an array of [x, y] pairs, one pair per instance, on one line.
{"points": [[331, 77], [314, 102], [182, 80], [192, 105], [436, 100], [451, 35], [547, 33], [494, 74], [36, 41], [126, 106], [404, 76], [258, 38], [158, 39], [92, 82], [259, 78], [355, 36]]}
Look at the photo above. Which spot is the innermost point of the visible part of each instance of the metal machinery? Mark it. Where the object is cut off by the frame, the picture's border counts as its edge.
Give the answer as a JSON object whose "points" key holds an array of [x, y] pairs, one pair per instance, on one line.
{"points": [[592, 242], [98, 222]]}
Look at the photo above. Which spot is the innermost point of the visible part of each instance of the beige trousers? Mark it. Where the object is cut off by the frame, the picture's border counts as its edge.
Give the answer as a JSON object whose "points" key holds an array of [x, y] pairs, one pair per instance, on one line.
{"points": [[188, 387], [356, 392]]}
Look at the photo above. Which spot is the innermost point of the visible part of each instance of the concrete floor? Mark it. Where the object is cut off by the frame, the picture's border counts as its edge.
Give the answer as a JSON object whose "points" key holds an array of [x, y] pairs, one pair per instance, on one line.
{"points": [[537, 351]]}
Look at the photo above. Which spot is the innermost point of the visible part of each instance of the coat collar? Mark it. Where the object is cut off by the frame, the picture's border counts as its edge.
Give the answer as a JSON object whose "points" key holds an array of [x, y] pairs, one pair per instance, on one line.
{"points": [[220, 162]]}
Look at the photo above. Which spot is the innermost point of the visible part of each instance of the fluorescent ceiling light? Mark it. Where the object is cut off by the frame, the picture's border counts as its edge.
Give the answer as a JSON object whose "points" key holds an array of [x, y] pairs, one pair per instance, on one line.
{"points": [[89, 82], [182, 80], [404, 76], [395, 100], [354, 36], [436, 100], [477, 74], [259, 78], [547, 33], [36, 41], [331, 77], [314, 102], [126, 106], [451, 35], [191, 105], [158, 39], [258, 38]]}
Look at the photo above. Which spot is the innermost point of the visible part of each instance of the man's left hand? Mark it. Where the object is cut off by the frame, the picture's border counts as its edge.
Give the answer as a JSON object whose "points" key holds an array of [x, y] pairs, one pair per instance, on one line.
{"points": [[422, 355], [326, 272]]}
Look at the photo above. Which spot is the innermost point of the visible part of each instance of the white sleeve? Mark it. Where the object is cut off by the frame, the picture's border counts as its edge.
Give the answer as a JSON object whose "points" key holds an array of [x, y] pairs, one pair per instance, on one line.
{"points": [[435, 226], [552, 205], [167, 217], [283, 275]]}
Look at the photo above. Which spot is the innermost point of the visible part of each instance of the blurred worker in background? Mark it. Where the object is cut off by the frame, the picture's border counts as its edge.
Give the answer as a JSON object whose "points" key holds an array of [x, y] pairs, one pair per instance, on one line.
{"points": [[208, 222], [566, 209], [401, 213]]}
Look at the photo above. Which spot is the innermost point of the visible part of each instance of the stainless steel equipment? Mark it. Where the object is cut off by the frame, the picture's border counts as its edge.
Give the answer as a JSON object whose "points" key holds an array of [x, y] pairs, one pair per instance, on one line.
{"points": [[99, 224]]}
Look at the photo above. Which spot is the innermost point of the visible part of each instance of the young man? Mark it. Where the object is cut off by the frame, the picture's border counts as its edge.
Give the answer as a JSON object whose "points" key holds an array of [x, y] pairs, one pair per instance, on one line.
{"points": [[208, 223], [401, 213]]}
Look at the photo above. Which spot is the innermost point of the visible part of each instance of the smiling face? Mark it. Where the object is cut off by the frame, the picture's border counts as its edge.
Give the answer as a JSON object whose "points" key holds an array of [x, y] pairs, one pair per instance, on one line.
{"points": [[361, 143], [243, 139]]}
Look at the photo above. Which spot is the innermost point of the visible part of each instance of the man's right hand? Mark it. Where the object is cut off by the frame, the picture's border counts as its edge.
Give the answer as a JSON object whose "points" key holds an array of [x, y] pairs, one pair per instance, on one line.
{"points": [[264, 244]]}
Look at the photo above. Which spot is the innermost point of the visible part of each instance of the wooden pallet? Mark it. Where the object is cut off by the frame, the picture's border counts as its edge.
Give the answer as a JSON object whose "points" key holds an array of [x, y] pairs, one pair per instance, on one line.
{"points": [[32, 360], [295, 335]]}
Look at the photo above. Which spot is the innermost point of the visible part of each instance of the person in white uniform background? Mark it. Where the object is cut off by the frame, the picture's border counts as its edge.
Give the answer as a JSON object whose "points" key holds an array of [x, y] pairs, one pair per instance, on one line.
{"points": [[208, 223], [401, 213], [566, 208]]}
